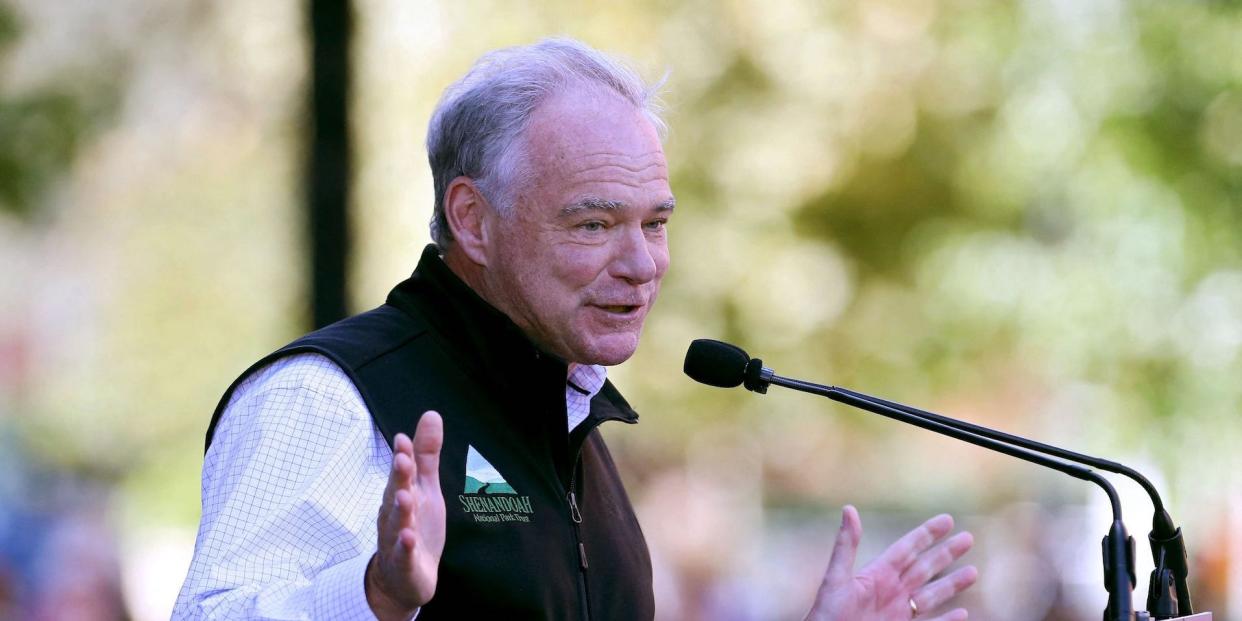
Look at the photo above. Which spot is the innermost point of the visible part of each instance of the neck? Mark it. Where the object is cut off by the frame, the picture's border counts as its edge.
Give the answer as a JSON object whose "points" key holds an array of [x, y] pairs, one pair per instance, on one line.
{"points": [[468, 271], [472, 273]]}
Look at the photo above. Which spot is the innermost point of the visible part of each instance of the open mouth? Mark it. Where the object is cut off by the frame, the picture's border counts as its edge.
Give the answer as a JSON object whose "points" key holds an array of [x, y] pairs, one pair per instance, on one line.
{"points": [[618, 309]]}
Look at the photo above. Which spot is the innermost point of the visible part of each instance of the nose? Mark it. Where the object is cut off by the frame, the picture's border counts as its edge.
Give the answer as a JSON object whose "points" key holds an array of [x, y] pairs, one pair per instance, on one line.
{"points": [[635, 259]]}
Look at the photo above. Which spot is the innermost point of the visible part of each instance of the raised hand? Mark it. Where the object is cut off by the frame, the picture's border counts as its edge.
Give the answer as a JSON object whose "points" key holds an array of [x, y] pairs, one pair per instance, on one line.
{"points": [[402, 574], [895, 586]]}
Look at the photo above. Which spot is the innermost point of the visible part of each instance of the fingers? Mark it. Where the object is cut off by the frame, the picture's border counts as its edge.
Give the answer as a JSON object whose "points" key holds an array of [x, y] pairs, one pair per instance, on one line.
{"points": [[937, 593], [407, 539], [416, 460], [428, 440], [403, 511], [902, 554], [411, 521], [845, 549], [957, 614], [395, 510], [402, 473], [934, 561]]}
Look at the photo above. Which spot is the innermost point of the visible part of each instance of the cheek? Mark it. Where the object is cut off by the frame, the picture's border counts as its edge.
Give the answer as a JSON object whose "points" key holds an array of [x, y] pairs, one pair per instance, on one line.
{"points": [[577, 268]]}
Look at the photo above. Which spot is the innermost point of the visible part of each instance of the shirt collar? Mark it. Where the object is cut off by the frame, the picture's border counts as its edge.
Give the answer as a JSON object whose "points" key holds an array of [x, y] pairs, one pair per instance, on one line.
{"points": [[587, 379]]}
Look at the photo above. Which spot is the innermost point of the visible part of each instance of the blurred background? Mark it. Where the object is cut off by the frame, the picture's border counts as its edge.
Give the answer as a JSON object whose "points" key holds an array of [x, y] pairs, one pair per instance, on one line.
{"points": [[1025, 214]]}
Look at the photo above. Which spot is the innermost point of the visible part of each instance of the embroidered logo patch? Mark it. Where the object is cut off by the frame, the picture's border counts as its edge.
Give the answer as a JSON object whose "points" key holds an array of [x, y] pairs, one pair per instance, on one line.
{"points": [[487, 496]]}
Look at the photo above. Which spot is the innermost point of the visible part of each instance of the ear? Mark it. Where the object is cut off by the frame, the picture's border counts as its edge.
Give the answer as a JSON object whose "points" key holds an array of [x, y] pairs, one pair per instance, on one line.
{"points": [[468, 215]]}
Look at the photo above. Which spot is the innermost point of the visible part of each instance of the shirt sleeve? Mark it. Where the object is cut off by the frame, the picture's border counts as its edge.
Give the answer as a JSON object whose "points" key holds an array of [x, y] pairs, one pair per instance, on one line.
{"points": [[292, 484]]}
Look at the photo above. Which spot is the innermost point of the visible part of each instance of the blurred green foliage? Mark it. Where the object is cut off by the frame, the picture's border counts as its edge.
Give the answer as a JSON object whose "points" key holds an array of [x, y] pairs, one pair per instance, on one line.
{"points": [[1027, 214], [1040, 198], [44, 129]]}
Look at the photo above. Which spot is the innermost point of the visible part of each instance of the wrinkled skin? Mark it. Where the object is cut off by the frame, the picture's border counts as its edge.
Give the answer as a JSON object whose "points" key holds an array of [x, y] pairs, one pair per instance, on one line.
{"points": [[578, 265]]}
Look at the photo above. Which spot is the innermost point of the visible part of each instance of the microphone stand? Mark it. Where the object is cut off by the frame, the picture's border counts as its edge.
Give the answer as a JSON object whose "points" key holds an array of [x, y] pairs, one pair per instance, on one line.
{"points": [[1167, 591], [1117, 546], [724, 365]]}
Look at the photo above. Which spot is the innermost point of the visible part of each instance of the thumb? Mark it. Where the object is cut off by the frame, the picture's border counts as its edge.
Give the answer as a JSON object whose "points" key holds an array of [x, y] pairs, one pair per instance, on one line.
{"points": [[845, 550], [428, 440]]}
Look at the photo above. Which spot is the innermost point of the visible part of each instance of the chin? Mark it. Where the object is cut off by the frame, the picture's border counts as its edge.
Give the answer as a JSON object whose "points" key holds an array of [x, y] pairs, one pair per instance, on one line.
{"points": [[610, 350]]}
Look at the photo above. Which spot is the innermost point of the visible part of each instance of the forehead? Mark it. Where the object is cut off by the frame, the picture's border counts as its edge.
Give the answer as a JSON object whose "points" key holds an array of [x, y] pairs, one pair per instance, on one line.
{"points": [[582, 139]]}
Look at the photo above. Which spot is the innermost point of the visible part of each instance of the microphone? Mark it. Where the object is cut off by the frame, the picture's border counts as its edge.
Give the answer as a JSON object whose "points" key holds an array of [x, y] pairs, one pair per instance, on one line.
{"points": [[1167, 593], [726, 366], [716, 363]]}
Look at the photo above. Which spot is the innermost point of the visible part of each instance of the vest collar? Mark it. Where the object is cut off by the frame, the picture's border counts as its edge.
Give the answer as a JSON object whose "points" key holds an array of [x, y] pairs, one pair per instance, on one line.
{"points": [[483, 337]]}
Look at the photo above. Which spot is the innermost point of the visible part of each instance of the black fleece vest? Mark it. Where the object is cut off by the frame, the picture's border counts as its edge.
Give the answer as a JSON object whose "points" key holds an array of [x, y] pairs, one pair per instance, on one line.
{"points": [[539, 524]]}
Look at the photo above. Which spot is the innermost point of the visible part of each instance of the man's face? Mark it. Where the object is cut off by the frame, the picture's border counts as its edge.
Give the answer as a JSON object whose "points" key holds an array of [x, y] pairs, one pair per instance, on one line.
{"points": [[578, 264]]}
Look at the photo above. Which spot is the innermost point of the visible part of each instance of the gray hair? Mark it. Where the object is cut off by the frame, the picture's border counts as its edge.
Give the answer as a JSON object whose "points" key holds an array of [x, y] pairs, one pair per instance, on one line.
{"points": [[476, 127]]}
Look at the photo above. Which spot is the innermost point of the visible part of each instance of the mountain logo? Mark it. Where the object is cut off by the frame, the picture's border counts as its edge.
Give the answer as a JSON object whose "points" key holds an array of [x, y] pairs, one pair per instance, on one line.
{"points": [[482, 477], [487, 496]]}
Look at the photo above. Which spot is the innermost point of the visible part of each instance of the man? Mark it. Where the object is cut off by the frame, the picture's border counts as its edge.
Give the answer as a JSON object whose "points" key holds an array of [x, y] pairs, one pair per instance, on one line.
{"points": [[552, 198]]}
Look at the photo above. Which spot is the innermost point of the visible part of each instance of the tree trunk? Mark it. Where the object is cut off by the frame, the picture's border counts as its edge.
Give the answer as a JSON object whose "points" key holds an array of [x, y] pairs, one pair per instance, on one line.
{"points": [[328, 171]]}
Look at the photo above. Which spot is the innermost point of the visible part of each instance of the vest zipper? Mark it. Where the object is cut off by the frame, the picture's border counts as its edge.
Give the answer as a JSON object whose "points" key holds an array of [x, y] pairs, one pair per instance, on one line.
{"points": [[575, 516]]}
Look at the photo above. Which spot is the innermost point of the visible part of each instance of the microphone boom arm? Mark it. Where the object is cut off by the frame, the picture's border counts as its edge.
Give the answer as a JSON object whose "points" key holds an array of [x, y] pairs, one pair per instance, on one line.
{"points": [[849, 398], [1118, 547], [1167, 545], [724, 365]]}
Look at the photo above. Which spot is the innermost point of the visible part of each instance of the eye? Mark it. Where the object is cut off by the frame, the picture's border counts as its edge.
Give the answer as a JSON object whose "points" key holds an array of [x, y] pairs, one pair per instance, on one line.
{"points": [[655, 225], [592, 226]]}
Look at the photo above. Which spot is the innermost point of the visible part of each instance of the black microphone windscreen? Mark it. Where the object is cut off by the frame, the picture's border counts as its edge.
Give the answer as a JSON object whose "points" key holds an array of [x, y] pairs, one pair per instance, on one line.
{"points": [[715, 363]]}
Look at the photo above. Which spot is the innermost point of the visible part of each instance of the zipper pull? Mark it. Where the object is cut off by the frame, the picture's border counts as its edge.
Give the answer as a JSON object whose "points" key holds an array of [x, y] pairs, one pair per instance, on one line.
{"points": [[582, 555], [574, 514]]}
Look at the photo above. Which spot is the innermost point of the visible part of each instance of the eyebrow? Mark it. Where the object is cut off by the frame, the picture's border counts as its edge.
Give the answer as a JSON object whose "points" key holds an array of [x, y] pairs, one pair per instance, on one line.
{"points": [[595, 203]]}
